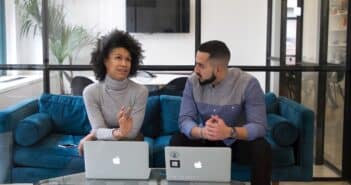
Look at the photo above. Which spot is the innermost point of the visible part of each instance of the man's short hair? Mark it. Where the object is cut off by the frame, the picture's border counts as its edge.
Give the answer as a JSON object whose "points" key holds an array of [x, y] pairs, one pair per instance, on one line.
{"points": [[217, 50]]}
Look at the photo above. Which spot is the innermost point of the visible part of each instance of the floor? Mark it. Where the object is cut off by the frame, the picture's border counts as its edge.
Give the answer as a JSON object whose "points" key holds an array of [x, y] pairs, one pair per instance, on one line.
{"points": [[318, 171], [323, 171], [316, 183]]}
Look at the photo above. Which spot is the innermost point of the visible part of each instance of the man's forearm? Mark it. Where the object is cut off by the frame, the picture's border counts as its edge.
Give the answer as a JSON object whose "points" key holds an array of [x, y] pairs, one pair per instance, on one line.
{"points": [[197, 132], [241, 133]]}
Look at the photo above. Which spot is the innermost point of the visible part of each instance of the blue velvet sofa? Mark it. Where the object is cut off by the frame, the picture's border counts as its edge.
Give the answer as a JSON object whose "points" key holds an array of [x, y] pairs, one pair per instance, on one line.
{"points": [[31, 132]]}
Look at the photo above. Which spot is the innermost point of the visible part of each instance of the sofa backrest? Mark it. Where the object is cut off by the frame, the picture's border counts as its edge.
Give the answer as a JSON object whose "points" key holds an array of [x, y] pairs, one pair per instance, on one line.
{"points": [[271, 103], [170, 107], [151, 124], [161, 115], [67, 112], [162, 112]]}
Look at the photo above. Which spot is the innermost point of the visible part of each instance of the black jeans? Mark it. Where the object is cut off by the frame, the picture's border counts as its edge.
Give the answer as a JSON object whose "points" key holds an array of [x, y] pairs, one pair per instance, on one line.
{"points": [[257, 154]]}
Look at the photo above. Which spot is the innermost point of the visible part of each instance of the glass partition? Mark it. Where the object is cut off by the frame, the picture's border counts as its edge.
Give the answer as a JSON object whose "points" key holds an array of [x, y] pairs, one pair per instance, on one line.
{"points": [[334, 114], [70, 82]]}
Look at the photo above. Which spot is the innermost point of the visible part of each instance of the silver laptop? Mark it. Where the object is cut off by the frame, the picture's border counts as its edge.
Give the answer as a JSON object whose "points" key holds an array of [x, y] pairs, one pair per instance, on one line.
{"points": [[210, 164], [116, 160]]}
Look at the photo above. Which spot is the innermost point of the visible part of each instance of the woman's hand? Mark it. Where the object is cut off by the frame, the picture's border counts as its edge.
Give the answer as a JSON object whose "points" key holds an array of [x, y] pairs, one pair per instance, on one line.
{"points": [[125, 122], [89, 137]]}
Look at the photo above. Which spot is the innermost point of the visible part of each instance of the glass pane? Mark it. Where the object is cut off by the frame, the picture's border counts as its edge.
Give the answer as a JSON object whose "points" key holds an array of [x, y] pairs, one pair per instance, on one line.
{"points": [[292, 8], [19, 85], [334, 114], [310, 35], [309, 97], [309, 90], [290, 41], [245, 34], [68, 82], [337, 32], [291, 23], [2, 36], [23, 32], [276, 19], [71, 39], [274, 83], [261, 77], [82, 30]]}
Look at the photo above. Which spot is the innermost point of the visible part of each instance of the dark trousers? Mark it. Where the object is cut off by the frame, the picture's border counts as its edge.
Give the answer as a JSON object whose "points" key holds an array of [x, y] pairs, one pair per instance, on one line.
{"points": [[257, 154]]}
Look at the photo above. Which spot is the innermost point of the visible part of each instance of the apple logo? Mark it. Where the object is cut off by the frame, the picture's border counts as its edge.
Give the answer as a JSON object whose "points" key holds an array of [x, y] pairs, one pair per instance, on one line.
{"points": [[116, 160], [198, 164]]}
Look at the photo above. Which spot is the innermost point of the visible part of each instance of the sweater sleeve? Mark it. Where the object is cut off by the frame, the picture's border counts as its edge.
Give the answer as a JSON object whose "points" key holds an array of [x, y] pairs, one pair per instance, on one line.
{"points": [[93, 107], [138, 112]]}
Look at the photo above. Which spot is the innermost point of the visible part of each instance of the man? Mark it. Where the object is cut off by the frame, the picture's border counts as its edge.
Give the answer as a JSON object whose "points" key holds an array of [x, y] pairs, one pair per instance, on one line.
{"points": [[225, 107]]}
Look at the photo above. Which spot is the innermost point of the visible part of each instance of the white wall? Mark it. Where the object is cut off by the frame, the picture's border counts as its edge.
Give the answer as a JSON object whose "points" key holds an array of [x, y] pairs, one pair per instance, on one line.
{"points": [[98, 17], [160, 48], [242, 25]]}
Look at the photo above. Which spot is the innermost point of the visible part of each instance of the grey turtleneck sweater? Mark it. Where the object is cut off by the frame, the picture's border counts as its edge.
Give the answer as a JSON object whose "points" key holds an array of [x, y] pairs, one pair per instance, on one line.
{"points": [[103, 101]]}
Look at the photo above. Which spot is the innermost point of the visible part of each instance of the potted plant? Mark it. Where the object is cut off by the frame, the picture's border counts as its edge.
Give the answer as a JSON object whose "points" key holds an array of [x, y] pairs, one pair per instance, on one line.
{"points": [[65, 40]]}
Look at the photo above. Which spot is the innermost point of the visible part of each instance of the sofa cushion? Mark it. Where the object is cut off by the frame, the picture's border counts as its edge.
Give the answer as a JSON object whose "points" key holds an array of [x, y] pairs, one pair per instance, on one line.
{"points": [[67, 112], [272, 105], [32, 129], [151, 123], [281, 130], [48, 154], [170, 107]]}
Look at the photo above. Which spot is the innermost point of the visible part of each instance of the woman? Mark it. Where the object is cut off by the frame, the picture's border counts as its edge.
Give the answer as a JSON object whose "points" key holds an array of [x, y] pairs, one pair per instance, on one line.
{"points": [[115, 105]]}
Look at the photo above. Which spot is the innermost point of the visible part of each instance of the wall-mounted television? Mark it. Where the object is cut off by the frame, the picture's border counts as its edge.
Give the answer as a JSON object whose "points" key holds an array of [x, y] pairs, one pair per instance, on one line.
{"points": [[158, 16]]}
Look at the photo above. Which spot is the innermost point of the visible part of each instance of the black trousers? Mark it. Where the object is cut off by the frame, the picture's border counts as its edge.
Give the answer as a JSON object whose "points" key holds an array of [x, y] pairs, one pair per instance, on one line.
{"points": [[257, 154]]}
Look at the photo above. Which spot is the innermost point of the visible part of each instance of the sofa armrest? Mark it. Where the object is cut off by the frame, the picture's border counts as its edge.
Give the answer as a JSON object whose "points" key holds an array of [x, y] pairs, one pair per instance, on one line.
{"points": [[10, 116], [303, 119], [6, 143]]}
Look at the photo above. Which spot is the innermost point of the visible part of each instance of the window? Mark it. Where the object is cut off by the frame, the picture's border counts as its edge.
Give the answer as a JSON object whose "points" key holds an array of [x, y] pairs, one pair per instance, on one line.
{"points": [[291, 32], [2, 35]]}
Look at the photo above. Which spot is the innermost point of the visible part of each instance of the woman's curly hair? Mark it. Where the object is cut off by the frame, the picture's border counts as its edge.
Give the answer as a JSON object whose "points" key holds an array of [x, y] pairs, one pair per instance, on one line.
{"points": [[115, 39]]}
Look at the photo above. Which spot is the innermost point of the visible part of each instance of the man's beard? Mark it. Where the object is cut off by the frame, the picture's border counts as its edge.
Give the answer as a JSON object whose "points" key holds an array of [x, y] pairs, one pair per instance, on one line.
{"points": [[208, 81]]}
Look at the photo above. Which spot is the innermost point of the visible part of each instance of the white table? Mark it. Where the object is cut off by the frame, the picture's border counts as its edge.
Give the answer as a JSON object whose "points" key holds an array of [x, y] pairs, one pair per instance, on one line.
{"points": [[159, 79]]}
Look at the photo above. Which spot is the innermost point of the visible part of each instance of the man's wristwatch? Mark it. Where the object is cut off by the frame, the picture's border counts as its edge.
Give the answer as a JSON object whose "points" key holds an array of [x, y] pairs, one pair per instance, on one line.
{"points": [[233, 133]]}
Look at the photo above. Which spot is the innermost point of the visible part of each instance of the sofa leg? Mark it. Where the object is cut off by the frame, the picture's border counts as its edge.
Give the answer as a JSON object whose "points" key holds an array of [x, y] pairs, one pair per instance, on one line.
{"points": [[275, 182]]}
